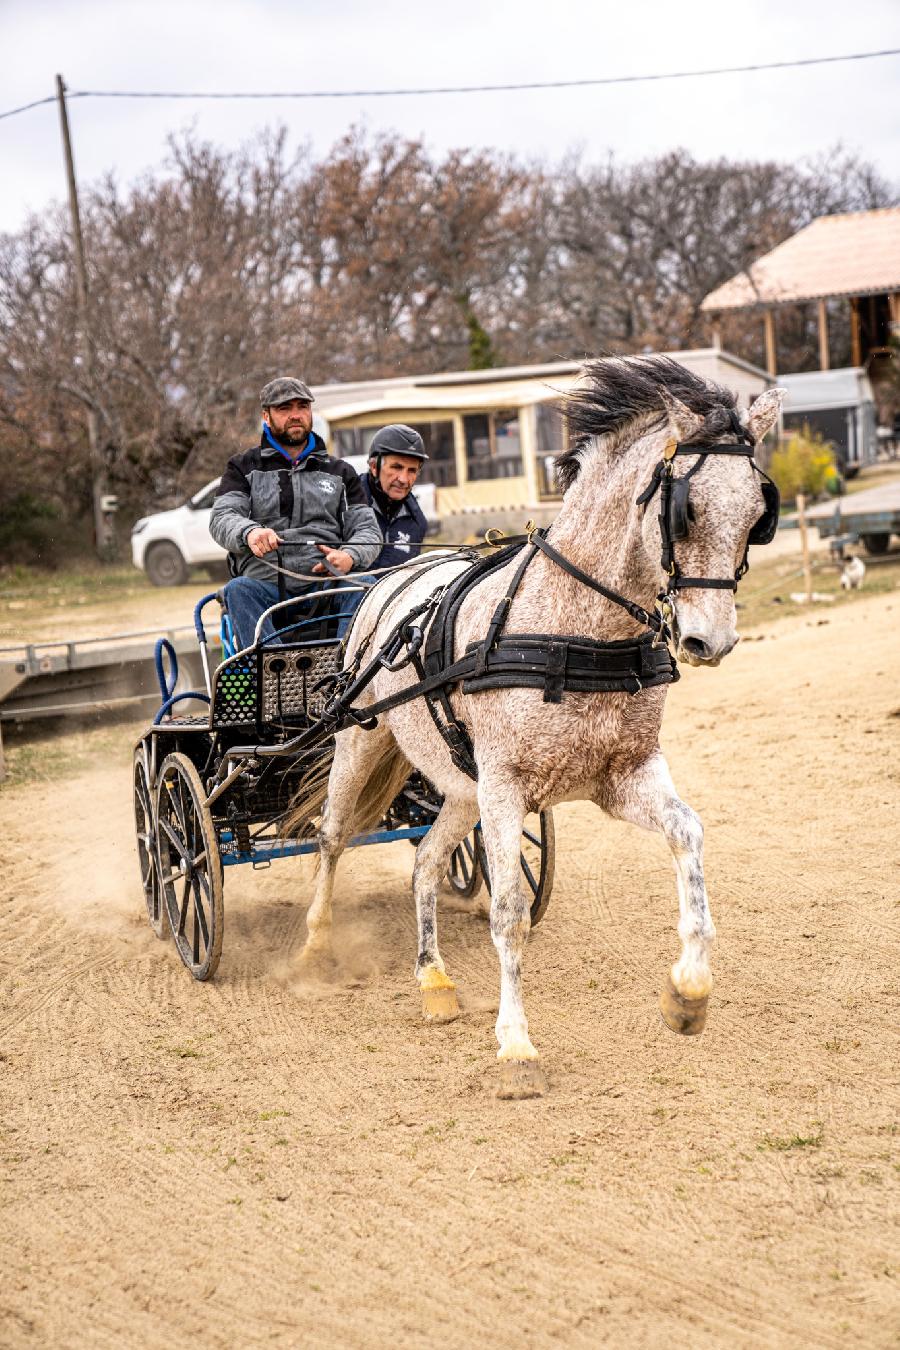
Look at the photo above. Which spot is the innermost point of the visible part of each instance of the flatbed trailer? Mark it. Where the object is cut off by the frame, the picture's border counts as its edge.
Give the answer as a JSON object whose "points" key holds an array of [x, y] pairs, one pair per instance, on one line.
{"points": [[871, 517], [90, 675]]}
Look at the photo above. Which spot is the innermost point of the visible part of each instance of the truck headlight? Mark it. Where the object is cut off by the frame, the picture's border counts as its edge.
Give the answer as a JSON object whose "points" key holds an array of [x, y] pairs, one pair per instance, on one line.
{"points": [[140, 525]]}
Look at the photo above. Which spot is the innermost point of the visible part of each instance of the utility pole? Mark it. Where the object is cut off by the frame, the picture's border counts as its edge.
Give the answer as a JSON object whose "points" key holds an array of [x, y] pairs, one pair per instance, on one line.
{"points": [[103, 503]]}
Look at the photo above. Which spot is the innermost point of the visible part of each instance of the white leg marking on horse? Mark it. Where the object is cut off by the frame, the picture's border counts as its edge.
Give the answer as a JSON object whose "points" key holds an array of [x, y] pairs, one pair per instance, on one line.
{"points": [[502, 815], [648, 798], [455, 819]]}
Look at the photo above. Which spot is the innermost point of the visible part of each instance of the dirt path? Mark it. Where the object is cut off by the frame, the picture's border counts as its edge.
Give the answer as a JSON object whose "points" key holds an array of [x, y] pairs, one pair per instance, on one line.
{"points": [[253, 1162]]}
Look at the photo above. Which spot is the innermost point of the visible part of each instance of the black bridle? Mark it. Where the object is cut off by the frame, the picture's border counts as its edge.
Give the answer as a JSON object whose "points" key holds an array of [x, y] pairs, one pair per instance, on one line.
{"points": [[675, 510]]}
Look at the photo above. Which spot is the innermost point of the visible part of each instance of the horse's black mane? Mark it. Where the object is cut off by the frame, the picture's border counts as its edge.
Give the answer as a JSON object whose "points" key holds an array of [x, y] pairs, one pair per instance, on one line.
{"points": [[616, 390]]}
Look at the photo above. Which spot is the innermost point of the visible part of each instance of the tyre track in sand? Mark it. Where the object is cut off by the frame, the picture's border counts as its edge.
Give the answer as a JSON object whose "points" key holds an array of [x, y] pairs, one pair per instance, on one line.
{"points": [[266, 1160]]}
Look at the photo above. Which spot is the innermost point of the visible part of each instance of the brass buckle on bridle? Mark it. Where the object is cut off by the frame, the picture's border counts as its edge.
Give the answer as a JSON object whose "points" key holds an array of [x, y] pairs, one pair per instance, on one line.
{"points": [[666, 611]]}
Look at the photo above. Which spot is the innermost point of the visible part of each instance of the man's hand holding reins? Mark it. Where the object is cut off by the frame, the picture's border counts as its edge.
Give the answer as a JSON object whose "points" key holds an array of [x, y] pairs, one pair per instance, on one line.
{"points": [[261, 541], [336, 557]]}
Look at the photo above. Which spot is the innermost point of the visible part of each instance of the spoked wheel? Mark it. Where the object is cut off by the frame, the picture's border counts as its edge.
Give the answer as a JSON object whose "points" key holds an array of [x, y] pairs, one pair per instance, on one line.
{"points": [[464, 872], [148, 858], [190, 869], [537, 859]]}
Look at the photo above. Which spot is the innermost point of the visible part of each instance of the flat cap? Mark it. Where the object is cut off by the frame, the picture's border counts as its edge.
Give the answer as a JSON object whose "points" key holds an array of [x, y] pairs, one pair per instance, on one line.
{"points": [[398, 439], [283, 390]]}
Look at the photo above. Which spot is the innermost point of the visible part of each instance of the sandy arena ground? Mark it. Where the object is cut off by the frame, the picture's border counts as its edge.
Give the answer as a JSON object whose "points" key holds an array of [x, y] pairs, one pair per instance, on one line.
{"points": [[255, 1162]]}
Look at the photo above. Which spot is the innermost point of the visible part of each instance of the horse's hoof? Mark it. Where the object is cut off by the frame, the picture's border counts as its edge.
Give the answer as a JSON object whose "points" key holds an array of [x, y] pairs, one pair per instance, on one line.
{"points": [[316, 963], [520, 1079], [687, 1016], [440, 1004]]}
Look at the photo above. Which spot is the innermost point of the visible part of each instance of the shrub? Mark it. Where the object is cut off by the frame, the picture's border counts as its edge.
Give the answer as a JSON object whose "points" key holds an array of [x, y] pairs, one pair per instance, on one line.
{"points": [[34, 531], [804, 463]]}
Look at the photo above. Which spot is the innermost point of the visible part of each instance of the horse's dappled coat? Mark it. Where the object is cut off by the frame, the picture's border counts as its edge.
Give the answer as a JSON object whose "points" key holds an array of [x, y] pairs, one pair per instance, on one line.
{"points": [[602, 747]]}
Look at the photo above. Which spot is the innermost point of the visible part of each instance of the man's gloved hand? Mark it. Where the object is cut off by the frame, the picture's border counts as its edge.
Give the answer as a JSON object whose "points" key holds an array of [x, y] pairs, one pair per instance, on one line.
{"points": [[336, 557], [260, 541]]}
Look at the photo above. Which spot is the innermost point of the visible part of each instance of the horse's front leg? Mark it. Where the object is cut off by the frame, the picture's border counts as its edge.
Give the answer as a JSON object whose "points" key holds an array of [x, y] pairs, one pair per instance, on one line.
{"points": [[455, 819], [502, 815], [356, 754], [647, 797]]}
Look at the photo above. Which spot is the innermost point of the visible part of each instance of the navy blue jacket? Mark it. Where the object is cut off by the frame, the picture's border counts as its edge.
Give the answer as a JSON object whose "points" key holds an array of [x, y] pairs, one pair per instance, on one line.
{"points": [[403, 533]]}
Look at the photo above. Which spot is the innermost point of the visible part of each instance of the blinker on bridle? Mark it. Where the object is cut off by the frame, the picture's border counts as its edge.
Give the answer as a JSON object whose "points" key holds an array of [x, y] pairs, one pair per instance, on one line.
{"points": [[675, 508]]}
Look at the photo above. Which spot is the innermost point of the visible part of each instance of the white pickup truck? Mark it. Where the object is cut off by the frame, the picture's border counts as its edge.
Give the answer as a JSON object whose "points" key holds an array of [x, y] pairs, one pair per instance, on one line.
{"points": [[166, 545]]}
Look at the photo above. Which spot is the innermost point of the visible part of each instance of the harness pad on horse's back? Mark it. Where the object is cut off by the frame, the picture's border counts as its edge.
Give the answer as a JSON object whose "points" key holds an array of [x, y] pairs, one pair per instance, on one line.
{"points": [[441, 640], [439, 652]]}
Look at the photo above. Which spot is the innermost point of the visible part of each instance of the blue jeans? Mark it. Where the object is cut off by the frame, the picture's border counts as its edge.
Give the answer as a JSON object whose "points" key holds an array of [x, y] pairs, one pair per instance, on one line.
{"points": [[247, 598]]}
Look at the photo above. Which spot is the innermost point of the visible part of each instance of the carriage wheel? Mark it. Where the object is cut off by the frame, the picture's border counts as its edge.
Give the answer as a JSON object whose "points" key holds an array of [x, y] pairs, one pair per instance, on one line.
{"points": [[148, 859], [190, 867], [537, 860], [464, 872]]}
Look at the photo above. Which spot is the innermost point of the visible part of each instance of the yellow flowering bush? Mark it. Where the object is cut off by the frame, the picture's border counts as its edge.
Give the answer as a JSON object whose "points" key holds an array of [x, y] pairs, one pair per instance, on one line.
{"points": [[803, 463]]}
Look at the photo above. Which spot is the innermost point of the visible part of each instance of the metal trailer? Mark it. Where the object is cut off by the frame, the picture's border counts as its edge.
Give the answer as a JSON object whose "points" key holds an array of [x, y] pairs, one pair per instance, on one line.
{"points": [[87, 676], [211, 790], [870, 517]]}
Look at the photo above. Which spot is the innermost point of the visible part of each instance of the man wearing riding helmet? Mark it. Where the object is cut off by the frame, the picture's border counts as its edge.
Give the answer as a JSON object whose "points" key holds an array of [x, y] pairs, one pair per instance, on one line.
{"points": [[396, 456]]}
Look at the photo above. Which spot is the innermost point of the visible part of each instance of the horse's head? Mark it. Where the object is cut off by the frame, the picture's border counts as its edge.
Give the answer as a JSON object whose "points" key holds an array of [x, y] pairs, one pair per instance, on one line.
{"points": [[711, 506]]}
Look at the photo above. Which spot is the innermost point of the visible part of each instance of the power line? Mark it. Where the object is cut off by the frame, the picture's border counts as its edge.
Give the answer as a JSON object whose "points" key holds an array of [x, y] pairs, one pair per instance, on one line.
{"points": [[455, 89]]}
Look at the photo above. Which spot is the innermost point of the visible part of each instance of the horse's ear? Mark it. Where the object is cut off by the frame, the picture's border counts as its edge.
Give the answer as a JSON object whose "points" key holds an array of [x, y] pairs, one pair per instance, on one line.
{"points": [[764, 413], [683, 423]]}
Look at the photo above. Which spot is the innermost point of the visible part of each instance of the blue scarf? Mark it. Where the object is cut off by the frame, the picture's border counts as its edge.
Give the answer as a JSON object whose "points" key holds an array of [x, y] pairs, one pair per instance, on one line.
{"points": [[281, 450]]}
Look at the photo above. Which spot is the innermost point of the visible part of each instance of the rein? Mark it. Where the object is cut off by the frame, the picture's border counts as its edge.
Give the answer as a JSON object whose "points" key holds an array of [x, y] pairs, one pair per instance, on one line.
{"points": [[425, 637], [547, 661]]}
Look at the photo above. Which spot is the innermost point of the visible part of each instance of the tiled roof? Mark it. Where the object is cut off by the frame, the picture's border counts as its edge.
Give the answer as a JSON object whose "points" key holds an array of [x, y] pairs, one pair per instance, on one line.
{"points": [[853, 254]]}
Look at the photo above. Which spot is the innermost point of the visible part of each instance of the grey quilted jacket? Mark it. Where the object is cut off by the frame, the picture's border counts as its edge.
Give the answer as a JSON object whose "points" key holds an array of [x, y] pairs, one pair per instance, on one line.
{"points": [[318, 500]]}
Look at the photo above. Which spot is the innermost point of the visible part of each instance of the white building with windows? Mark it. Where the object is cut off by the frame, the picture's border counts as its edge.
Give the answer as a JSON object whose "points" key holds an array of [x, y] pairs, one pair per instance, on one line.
{"points": [[491, 435]]}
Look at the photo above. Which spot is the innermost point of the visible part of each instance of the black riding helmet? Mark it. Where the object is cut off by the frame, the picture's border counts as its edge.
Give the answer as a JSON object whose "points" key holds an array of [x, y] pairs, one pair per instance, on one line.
{"points": [[397, 439]]}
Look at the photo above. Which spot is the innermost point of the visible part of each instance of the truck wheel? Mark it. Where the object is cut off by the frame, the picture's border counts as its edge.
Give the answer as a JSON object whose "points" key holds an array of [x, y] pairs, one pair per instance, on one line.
{"points": [[876, 544], [165, 566]]}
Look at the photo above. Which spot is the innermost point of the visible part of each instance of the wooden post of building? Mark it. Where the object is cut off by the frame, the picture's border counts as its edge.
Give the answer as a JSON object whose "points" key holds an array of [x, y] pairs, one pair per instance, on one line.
{"points": [[102, 525], [528, 445], [804, 545], [855, 343], [824, 362], [769, 323], [894, 303]]}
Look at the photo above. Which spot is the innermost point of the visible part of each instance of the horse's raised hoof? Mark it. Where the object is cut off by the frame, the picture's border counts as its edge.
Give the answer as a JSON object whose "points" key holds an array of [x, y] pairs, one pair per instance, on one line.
{"points": [[440, 1005], [687, 1016], [520, 1079]]}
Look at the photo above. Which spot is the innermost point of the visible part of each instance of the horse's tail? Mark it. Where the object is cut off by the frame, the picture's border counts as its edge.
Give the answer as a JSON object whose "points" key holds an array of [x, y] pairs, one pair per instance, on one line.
{"points": [[378, 791], [380, 788]]}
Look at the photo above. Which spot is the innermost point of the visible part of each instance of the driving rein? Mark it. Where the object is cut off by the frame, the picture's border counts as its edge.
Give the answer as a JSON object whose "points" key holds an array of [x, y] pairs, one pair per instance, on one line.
{"points": [[425, 637]]}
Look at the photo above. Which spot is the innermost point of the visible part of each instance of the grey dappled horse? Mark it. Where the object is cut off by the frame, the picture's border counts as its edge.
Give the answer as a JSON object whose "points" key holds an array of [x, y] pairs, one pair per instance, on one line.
{"points": [[600, 747]]}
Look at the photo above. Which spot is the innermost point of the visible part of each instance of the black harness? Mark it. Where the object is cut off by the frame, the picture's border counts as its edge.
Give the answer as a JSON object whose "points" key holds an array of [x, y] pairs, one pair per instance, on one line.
{"points": [[425, 637]]}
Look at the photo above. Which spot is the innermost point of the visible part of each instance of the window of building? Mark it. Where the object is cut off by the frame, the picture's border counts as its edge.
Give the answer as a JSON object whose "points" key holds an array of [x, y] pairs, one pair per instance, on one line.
{"points": [[493, 448], [552, 440]]}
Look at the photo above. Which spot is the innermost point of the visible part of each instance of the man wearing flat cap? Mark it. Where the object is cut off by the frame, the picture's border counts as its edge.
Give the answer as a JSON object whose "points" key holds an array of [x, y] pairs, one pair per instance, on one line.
{"points": [[288, 494], [396, 456]]}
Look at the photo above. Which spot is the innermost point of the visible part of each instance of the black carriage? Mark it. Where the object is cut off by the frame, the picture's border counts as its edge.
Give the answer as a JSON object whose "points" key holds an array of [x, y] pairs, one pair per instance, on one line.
{"points": [[213, 789]]}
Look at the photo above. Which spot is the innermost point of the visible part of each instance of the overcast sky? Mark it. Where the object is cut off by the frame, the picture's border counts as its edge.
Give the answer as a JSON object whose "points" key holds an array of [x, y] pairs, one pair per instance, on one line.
{"points": [[347, 44]]}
